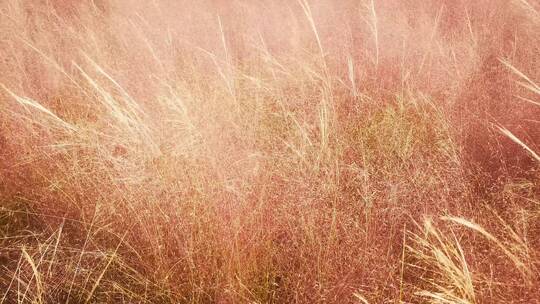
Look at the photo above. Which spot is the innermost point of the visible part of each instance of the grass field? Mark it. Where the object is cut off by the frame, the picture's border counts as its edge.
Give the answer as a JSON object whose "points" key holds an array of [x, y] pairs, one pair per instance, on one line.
{"points": [[272, 151]]}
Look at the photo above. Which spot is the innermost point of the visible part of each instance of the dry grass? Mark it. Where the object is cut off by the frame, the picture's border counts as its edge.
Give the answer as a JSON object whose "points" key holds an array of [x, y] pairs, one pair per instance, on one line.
{"points": [[269, 151]]}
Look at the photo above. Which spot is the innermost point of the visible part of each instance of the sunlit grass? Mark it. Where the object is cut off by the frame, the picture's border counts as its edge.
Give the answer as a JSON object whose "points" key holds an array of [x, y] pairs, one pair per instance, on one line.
{"points": [[269, 152]]}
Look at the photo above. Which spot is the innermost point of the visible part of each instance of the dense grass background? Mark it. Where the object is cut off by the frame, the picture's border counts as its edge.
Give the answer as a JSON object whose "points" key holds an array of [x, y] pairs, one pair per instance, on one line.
{"points": [[269, 151]]}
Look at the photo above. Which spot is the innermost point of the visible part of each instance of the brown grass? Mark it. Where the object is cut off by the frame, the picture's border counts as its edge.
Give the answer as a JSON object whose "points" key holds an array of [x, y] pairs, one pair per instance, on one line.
{"points": [[310, 151]]}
